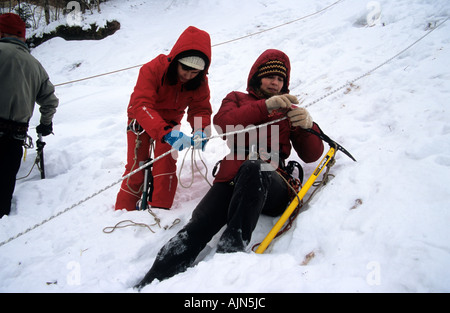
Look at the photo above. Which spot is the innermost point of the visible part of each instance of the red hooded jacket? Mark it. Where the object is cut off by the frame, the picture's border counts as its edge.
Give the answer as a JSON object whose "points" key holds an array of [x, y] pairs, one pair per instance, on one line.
{"points": [[156, 104], [240, 110]]}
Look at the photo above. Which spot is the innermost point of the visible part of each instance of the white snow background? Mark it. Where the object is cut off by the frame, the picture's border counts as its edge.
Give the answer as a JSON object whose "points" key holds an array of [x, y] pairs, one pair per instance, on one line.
{"points": [[381, 225]]}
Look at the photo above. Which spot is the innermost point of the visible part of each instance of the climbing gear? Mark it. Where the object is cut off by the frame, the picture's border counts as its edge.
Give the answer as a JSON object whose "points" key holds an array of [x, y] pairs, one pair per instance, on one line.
{"points": [[39, 160], [290, 167], [348, 83], [135, 127], [40, 144], [199, 140], [215, 168], [327, 159], [193, 163], [130, 223], [138, 131], [148, 186]]}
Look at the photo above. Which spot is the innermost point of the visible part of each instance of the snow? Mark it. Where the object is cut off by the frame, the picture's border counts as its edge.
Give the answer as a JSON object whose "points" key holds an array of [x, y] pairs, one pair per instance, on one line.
{"points": [[380, 225]]}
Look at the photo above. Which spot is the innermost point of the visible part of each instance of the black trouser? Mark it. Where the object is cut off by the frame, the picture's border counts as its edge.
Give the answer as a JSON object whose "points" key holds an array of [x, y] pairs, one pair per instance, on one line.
{"points": [[237, 205], [10, 157]]}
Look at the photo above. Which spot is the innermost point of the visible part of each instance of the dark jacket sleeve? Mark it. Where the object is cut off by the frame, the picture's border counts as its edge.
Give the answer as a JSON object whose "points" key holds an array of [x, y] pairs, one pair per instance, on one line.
{"points": [[47, 101]]}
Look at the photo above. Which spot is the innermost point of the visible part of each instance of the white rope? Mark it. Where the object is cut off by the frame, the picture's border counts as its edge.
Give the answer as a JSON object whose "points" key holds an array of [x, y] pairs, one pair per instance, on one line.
{"points": [[221, 135], [87, 198], [193, 164], [349, 83], [212, 46]]}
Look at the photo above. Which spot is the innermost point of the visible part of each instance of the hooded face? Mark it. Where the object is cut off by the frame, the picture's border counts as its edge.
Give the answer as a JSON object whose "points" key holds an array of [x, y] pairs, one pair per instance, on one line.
{"points": [[266, 74], [185, 73], [190, 43]]}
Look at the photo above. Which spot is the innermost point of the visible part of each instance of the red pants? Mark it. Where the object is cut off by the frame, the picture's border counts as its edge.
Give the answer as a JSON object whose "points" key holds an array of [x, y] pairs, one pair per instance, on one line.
{"points": [[165, 180]]}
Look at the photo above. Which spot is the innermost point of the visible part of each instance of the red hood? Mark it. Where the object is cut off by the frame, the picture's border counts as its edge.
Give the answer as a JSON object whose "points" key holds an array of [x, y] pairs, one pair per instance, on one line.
{"points": [[271, 54], [192, 39]]}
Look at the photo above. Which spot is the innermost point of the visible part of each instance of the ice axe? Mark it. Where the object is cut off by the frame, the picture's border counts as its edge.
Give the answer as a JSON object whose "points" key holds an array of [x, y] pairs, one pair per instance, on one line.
{"points": [[40, 155], [334, 147]]}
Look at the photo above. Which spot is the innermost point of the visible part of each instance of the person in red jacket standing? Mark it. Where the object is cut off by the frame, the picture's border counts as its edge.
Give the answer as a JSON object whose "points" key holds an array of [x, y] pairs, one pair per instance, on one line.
{"points": [[245, 187], [166, 87]]}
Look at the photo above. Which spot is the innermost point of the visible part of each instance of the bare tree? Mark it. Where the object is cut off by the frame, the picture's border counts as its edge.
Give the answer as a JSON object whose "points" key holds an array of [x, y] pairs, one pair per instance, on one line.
{"points": [[52, 8], [47, 11]]}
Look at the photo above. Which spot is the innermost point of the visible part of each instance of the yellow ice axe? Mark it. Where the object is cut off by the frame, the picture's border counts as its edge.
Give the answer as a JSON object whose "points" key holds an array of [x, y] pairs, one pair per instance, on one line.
{"points": [[291, 208]]}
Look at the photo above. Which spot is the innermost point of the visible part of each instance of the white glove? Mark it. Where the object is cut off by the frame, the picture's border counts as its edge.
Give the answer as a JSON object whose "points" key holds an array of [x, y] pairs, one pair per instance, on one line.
{"points": [[300, 117], [280, 102]]}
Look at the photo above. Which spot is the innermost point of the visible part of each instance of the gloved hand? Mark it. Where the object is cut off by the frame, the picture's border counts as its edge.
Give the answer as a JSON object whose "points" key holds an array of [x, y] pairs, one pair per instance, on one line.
{"points": [[196, 141], [280, 102], [178, 140], [300, 117], [45, 130]]}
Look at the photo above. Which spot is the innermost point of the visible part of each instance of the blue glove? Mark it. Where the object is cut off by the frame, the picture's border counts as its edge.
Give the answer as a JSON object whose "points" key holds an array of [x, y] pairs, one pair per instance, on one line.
{"points": [[196, 141], [178, 140]]}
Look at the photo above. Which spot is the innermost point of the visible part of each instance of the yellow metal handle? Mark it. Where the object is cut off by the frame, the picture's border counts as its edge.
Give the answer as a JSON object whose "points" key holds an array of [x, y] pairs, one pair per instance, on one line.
{"points": [[290, 209]]}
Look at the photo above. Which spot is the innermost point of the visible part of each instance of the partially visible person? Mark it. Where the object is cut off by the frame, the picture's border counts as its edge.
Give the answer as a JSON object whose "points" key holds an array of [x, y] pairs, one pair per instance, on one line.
{"points": [[23, 83], [244, 188], [166, 87]]}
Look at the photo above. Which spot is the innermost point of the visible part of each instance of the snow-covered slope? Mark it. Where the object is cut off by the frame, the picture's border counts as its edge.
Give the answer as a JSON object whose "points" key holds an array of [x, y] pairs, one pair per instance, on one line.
{"points": [[381, 225]]}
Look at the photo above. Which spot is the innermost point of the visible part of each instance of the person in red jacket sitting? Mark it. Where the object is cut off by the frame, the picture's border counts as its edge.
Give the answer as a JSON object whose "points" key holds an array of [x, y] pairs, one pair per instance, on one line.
{"points": [[246, 186], [166, 87]]}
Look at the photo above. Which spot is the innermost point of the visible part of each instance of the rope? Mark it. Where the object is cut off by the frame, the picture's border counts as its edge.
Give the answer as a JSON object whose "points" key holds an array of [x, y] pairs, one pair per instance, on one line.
{"points": [[110, 229], [193, 162], [349, 83], [99, 75], [212, 46], [130, 223], [219, 136], [278, 26], [87, 198]]}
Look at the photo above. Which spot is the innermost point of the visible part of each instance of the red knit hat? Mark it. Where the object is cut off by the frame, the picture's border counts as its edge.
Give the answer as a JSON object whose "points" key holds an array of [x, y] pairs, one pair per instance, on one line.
{"points": [[12, 24]]}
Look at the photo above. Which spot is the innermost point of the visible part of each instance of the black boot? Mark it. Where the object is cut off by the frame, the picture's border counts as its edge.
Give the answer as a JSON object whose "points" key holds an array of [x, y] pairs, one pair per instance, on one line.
{"points": [[231, 241]]}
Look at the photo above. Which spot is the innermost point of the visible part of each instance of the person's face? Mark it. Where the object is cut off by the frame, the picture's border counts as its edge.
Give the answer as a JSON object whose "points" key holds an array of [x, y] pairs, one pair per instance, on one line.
{"points": [[272, 84], [185, 74]]}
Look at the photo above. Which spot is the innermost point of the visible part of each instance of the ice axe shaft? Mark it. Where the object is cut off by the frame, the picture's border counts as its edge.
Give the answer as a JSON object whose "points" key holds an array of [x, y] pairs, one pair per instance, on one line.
{"points": [[40, 152], [144, 203], [301, 194]]}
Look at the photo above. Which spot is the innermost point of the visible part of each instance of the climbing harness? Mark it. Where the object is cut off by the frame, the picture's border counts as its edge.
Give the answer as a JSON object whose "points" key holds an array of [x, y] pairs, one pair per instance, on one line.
{"points": [[138, 130], [296, 202], [291, 166], [39, 160], [28, 144]]}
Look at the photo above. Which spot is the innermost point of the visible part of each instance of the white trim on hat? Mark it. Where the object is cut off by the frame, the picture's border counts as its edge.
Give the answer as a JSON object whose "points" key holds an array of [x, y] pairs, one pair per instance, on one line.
{"points": [[193, 61]]}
